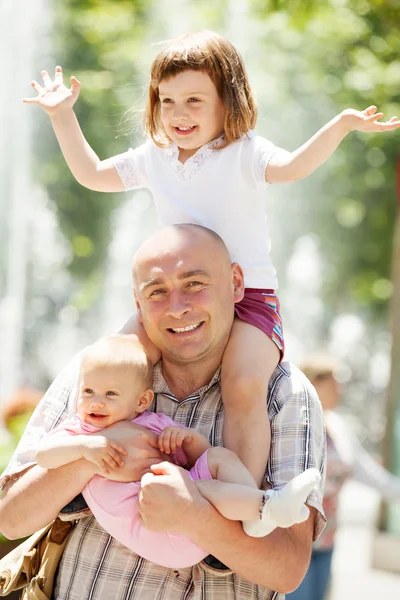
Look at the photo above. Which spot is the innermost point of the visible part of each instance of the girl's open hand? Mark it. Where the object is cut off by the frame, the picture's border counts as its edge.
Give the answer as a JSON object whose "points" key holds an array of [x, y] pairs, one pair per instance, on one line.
{"points": [[172, 438], [368, 120], [54, 96]]}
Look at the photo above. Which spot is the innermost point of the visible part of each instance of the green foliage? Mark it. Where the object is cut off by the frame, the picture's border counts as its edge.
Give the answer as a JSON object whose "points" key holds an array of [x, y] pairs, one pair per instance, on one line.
{"points": [[351, 49], [94, 41]]}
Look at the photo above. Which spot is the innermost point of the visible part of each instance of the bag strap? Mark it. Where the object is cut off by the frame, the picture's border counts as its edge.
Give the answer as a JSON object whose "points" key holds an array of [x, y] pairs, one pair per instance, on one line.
{"points": [[50, 551]]}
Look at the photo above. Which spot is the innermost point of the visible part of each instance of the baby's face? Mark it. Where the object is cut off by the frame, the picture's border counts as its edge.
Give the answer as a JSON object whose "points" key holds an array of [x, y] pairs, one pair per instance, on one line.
{"points": [[108, 395]]}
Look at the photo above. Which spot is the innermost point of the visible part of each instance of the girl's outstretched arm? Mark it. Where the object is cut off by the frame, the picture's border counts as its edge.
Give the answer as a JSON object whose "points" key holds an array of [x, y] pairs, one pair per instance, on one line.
{"points": [[58, 101], [289, 166]]}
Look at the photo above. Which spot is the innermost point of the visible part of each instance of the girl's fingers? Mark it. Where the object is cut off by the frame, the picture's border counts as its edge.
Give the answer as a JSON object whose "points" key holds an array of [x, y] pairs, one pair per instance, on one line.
{"points": [[46, 78], [37, 87], [375, 117], [116, 458], [118, 448], [370, 110], [58, 78], [167, 445], [111, 462], [30, 100]]}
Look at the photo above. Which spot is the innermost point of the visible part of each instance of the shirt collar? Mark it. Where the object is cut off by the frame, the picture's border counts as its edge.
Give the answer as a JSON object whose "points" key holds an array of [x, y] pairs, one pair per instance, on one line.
{"points": [[160, 386]]}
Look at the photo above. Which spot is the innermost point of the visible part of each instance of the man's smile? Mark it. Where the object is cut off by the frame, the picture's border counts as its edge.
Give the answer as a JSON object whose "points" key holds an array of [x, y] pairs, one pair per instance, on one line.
{"points": [[187, 328]]}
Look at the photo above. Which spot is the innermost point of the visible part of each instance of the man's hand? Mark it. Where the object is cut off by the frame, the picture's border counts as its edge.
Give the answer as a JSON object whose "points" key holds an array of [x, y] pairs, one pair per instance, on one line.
{"points": [[368, 120], [141, 446], [168, 499], [104, 453]]}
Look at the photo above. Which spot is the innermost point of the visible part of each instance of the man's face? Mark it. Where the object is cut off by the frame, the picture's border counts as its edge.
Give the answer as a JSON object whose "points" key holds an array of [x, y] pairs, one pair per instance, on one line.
{"points": [[185, 293]]}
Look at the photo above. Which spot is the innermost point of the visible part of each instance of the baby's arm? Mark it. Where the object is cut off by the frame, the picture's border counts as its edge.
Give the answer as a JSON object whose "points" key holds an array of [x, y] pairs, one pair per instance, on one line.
{"points": [[192, 442], [60, 449], [58, 101], [287, 166]]}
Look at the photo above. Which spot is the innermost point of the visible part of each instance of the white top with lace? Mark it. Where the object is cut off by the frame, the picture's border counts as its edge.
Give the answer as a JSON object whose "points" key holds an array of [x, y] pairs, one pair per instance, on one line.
{"points": [[222, 189]]}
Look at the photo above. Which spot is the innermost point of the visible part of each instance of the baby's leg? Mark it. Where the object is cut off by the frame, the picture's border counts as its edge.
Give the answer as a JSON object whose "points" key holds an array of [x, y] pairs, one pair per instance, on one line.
{"points": [[133, 327], [248, 363], [235, 495], [232, 491]]}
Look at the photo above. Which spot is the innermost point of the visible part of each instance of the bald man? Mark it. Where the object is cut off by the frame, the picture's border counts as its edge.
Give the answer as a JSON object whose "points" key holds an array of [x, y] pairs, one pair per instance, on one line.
{"points": [[185, 290]]}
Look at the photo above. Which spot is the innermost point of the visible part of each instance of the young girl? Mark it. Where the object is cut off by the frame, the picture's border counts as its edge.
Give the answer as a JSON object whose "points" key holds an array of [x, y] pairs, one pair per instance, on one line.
{"points": [[115, 385], [204, 165]]}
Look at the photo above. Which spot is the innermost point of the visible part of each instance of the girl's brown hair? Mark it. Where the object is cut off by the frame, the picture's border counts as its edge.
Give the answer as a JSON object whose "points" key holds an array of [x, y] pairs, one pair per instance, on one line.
{"points": [[209, 52]]}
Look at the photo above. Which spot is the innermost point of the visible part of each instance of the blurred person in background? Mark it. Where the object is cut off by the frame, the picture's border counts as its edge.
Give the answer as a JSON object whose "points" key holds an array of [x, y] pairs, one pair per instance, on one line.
{"points": [[346, 458]]}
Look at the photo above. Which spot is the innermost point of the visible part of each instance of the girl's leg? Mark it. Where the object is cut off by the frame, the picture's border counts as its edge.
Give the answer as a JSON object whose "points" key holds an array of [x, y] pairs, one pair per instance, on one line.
{"points": [[235, 495], [248, 363], [232, 491], [133, 327]]}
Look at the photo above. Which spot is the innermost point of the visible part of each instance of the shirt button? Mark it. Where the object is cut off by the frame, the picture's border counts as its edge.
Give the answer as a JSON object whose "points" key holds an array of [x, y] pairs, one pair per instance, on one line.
{"points": [[176, 573]]}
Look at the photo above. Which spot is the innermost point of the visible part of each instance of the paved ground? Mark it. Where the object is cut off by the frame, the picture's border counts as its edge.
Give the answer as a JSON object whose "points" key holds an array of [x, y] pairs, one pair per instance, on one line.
{"points": [[353, 578]]}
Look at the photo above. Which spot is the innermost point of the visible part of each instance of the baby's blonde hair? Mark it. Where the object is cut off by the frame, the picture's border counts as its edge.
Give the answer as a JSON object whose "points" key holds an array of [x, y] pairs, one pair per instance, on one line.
{"points": [[209, 52], [120, 350]]}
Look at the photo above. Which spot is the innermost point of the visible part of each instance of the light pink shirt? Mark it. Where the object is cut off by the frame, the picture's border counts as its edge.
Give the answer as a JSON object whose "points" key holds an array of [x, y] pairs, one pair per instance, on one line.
{"points": [[114, 504]]}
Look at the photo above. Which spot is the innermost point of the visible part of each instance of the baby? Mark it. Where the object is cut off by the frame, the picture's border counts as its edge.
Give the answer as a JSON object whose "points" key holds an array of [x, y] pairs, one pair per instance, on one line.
{"points": [[115, 385]]}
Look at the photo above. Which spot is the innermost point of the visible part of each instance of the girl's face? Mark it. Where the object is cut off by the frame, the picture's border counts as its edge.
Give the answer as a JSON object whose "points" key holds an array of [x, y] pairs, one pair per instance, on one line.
{"points": [[110, 394], [192, 112]]}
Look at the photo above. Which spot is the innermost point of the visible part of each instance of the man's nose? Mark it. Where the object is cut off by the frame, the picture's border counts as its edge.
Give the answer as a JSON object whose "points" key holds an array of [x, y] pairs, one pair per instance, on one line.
{"points": [[178, 305]]}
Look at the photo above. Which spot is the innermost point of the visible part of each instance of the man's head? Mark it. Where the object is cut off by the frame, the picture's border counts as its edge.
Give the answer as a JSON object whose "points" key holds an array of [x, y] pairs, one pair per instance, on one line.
{"points": [[185, 288], [322, 370], [115, 381]]}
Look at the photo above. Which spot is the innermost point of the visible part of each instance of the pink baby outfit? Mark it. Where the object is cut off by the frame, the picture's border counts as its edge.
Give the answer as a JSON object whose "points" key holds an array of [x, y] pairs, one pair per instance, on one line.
{"points": [[114, 504]]}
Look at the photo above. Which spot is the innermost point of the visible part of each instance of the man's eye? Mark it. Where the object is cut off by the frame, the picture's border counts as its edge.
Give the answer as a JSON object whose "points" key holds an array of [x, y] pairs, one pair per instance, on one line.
{"points": [[194, 283], [156, 292]]}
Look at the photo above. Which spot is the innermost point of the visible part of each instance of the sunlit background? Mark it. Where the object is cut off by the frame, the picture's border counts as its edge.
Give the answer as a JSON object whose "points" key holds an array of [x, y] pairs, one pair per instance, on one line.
{"points": [[66, 251]]}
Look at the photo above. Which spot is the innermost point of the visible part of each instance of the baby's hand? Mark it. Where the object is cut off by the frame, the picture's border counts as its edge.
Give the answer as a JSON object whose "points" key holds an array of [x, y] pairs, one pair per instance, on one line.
{"points": [[54, 96], [172, 438], [105, 453], [368, 120]]}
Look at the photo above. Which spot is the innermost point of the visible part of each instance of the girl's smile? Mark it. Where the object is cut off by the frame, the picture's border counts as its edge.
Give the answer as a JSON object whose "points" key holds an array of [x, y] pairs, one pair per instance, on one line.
{"points": [[192, 113]]}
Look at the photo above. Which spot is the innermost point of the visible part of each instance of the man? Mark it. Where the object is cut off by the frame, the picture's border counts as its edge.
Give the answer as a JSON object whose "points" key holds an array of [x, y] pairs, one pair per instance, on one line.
{"points": [[182, 276]]}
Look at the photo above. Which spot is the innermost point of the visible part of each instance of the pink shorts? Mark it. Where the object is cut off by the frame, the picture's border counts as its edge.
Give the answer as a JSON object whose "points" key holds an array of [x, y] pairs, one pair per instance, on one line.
{"points": [[200, 469], [261, 309]]}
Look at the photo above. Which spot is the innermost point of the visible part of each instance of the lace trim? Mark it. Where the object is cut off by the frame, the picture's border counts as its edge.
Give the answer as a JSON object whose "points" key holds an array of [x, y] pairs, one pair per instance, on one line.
{"points": [[127, 172], [188, 169]]}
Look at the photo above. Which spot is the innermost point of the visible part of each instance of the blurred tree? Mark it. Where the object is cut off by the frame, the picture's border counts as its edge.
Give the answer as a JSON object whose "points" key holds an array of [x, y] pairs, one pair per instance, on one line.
{"points": [[351, 49], [92, 39]]}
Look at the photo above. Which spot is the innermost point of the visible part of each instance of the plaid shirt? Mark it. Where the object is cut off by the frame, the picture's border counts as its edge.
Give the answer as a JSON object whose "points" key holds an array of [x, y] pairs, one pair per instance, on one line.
{"points": [[95, 566]]}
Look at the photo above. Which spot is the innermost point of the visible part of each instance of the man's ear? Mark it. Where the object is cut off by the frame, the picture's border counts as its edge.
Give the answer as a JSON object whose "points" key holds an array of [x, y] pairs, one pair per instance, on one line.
{"points": [[145, 400], [238, 282], [138, 311]]}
